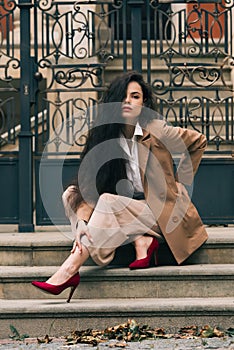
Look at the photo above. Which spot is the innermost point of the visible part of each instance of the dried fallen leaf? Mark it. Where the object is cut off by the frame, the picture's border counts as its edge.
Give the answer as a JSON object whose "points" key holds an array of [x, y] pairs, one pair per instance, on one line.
{"points": [[159, 332], [207, 332], [46, 340], [133, 331], [218, 333], [188, 332], [230, 331], [117, 345], [87, 336]]}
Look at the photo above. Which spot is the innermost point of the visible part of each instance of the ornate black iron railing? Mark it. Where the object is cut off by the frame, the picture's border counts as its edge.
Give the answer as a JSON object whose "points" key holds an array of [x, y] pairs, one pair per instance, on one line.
{"points": [[9, 67], [185, 51], [197, 58]]}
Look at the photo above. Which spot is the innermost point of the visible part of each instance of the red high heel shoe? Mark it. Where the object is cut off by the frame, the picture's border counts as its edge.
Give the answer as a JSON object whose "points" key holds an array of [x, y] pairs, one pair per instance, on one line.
{"points": [[57, 289], [145, 262]]}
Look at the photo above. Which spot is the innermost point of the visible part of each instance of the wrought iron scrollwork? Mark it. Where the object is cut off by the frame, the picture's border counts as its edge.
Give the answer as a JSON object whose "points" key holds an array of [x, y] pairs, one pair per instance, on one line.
{"points": [[77, 77], [154, 3], [78, 43], [198, 59], [70, 121], [194, 115], [79, 32], [200, 76], [9, 71], [45, 5], [8, 5], [226, 4], [12, 64], [190, 41], [72, 77]]}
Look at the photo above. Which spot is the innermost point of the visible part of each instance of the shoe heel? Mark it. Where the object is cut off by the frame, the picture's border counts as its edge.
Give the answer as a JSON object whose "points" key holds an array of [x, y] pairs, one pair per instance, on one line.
{"points": [[156, 258], [73, 288]]}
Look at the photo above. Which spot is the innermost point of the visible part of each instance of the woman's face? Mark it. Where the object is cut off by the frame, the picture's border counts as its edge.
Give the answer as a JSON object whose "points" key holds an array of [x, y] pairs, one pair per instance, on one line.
{"points": [[133, 101]]}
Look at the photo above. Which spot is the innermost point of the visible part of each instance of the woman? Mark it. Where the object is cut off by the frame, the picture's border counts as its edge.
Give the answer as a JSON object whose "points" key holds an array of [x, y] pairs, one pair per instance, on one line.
{"points": [[127, 188]]}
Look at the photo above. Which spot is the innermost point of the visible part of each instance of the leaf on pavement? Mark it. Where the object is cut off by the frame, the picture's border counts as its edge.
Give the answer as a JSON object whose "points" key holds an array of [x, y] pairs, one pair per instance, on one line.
{"points": [[219, 333], [188, 332], [118, 345], [230, 331], [16, 335], [133, 331], [45, 340], [88, 336], [210, 332]]}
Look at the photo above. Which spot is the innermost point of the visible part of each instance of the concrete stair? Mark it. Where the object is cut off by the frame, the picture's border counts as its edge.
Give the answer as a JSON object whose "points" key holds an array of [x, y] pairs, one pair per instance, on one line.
{"points": [[193, 281], [41, 317], [170, 296], [46, 248]]}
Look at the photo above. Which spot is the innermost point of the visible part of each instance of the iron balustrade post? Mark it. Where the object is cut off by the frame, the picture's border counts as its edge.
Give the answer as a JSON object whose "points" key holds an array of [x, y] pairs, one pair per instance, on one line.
{"points": [[136, 33], [25, 135]]}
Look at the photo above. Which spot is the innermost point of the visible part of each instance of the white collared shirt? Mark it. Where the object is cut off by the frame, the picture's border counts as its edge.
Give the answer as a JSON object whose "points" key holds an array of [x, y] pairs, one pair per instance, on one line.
{"points": [[132, 166]]}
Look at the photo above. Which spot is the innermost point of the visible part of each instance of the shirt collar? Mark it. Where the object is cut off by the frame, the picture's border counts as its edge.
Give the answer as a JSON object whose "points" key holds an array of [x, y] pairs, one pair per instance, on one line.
{"points": [[137, 132]]}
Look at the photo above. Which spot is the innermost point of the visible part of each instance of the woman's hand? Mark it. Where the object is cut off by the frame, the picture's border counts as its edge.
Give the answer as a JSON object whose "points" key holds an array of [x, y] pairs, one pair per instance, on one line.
{"points": [[82, 230]]}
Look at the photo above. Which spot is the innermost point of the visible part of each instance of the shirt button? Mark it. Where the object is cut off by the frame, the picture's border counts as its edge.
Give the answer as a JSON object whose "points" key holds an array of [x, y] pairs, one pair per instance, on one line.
{"points": [[162, 195], [175, 219]]}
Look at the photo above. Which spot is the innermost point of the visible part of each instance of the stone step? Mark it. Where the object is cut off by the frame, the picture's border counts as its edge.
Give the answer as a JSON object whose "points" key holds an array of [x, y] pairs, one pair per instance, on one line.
{"points": [[52, 247], [103, 283], [57, 318]]}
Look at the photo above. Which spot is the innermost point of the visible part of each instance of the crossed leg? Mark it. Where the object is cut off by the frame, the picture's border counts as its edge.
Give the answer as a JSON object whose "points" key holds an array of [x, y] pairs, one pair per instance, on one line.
{"points": [[116, 220]]}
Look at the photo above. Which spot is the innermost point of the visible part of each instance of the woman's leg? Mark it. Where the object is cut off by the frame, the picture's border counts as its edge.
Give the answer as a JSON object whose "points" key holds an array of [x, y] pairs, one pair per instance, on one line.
{"points": [[114, 221], [76, 259], [119, 220], [70, 266], [142, 243]]}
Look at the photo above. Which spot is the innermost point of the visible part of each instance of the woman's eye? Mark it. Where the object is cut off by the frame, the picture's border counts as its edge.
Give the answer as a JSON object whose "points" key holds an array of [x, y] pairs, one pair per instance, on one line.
{"points": [[136, 97]]}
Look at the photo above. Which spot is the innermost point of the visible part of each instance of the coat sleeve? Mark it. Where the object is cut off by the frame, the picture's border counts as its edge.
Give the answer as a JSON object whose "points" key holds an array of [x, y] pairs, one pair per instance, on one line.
{"points": [[83, 212], [188, 146]]}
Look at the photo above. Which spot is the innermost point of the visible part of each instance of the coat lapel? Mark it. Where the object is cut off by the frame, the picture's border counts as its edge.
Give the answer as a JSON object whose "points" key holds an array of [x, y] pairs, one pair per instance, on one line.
{"points": [[143, 152]]}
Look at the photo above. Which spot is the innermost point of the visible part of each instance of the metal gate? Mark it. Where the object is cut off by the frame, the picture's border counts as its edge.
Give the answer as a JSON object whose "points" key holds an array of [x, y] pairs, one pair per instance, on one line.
{"points": [[56, 59]]}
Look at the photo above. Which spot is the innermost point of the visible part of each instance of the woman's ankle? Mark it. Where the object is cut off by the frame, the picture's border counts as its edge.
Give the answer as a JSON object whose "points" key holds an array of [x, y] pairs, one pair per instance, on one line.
{"points": [[143, 242], [141, 246], [61, 276], [70, 267]]}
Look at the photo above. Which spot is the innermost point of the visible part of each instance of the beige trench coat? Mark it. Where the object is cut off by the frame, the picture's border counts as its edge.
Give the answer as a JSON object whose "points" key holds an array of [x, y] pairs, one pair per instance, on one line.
{"points": [[177, 217]]}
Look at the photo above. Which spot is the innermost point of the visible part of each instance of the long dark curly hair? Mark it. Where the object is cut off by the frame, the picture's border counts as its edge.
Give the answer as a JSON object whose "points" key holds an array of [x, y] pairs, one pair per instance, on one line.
{"points": [[107, 126]]}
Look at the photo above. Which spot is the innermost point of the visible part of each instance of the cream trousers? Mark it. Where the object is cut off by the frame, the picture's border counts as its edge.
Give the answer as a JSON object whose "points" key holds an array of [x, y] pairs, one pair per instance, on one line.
{"points": [[115, 221]]}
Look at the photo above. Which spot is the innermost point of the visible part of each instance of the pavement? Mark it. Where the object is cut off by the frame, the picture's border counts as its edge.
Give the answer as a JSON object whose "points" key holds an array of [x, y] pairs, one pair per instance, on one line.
{"points": [[226, 343]]}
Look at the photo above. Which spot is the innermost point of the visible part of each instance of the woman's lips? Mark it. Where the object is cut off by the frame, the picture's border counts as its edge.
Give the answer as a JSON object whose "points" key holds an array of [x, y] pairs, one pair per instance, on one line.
{"points": [[126, 109]]}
